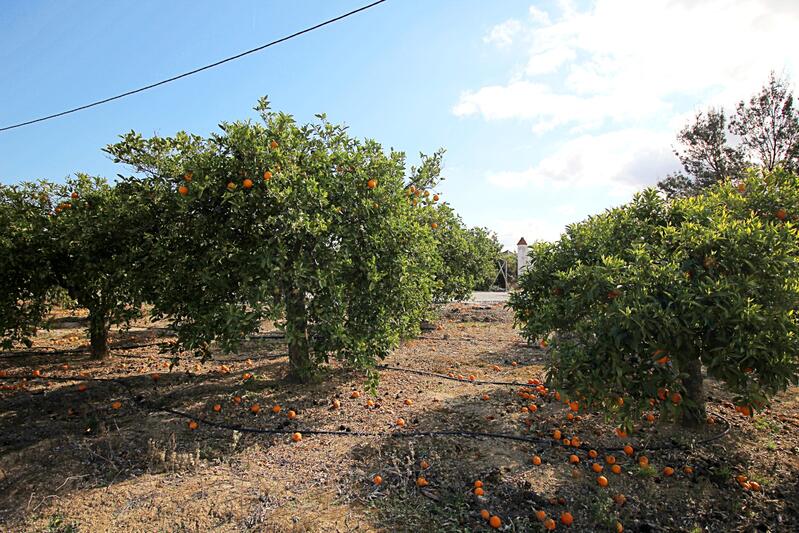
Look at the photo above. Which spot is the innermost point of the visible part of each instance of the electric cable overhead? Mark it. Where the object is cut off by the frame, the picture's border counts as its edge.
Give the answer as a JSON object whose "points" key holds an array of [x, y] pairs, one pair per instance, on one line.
{"points": [[195, 71]]}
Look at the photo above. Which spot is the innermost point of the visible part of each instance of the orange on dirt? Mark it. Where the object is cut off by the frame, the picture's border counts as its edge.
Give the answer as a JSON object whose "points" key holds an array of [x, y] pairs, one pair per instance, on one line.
{"points": [[532, 408], [602, 481], [573, 459], [478, 491], [246, 376], [541, 515], [676, 398], [472, 377], [514, 363], [296, 437], [183, 190], [755, 486], [525, 410], [335, 404], [592, 454], [628, 450], [217, 408], [495, 368], [37, 373], [247, 183], [566, 518], [741, 479], [116, 405], [273, 145], [556, 434], [745, 410], [616, 469], [424, 465], [267, 176], [484, 514], [610, 459], [549, 524], [596, 467], [372, 183], [536, 460], [400, 422], [255, 409], [377, 480], [231, 186], [668, 471], [291, 415], [237, 400], [355, 394], [421, 482], [276, 409], [193, 425], [485, 397], [370, 403], [643, 460], [621, 433], [495, 522], [408, 401], [574, 406]]}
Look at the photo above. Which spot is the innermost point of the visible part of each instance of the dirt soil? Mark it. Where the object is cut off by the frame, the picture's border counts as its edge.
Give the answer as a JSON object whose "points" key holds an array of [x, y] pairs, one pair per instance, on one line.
{"points": [[70, 461]]}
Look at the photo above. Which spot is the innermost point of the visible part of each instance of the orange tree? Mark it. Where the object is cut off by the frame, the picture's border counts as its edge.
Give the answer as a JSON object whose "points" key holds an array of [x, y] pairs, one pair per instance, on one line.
{"points": [[25, 276], [633, 303], [274, 220], [96, 241]]}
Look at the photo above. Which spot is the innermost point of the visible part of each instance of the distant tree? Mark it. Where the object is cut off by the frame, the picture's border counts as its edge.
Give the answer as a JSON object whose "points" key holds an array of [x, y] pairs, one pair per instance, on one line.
{"points": [[768, 125], [705, 155]]}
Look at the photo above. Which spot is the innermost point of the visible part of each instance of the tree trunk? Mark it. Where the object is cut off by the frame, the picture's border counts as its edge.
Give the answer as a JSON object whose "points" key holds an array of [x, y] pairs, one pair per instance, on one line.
{"points": [[302, 368], [693, 414], [98, 334]]}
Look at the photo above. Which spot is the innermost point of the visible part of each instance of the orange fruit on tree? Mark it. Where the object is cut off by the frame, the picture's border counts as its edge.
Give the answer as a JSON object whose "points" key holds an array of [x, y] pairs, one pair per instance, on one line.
{"points": [[573, 459], [267, 176], [37, 373], [377, 480], [472, 377], [620, 499], [596, 467], [643, 460], [217, 408], [619, 527], [532, 408], [676, 398], [549, 524], [566, 518], [541, 515], [424, 464], [187, 177], [116, 405], [621, 433], [484, 514], [781, 214], [574, 406], [650, 418], [556, 434], [82, 387], [183, 190], [609, 459], [372, 183], [276, 409], [434, 225], [668, 471], [662, 394], [421, 482], [569, 416], [602, 481], [754, 485], [247, 183], [231, 186], [255, 408], [566, 442], [616, 469], [592, 454], [628, 450], [273, 145], [525, 410], [237, 400], [246, 376], [687, 470], [495, 522], [291, 415], [536, 460], [478, 491], [478, 484], [296, 437], [193, 425]]}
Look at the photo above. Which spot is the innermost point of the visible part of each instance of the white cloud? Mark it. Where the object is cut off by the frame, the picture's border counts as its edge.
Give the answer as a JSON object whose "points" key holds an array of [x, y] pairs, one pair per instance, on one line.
{"points": [[621, 162], [503, 34], [626, 59]]}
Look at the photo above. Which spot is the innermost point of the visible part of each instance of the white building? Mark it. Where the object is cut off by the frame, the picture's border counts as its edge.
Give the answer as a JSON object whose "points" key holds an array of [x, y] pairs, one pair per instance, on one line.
{"points": [[522, 258]]}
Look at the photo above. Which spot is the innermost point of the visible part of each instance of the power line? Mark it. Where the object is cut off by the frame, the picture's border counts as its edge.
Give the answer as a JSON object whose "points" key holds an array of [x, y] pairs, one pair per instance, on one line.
{"points": [[195, 71]]}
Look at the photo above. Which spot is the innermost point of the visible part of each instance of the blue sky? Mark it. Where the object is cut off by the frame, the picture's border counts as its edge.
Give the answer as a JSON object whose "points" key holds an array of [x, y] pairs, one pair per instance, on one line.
{"points": [[549, 110]]}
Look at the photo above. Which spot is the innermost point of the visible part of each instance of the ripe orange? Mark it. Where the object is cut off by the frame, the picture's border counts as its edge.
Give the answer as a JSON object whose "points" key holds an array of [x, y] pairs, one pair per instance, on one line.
{"points": [[569, 416], [621, 433], [267, 176], [628, 450], [596, 467], [291, 415], [217, 408], [485, 397], [532, 408], [355, 394], [536, 460], [335, 404], [478, 484], [668, 471], [574, 406], [183, 190], [246, 376], [549, 524], [602, 481], [619, 527], [377, 480], [273, 145], [372, 183], [435, 197], [434, 225], [37, 373], [495, 522], [754, 485], [566, 518], [116, 405], [573, 459], [616, 469], [688, 470], [247, 183], [592, 454], [255, 409], [556, 434], [296, 437], [662, 394], [370, 403], [472, 377], [525, 410], [276, 409], [541, 515], [609, 459], [231, 186], [620, 499], [187, 177], [237, 400], [676, 398], [421, 482], [643, 460], [424, 465], [566, 442], [650, 418], [193, 425], [400, 422], [478, 491], [408, 401], [484, 514]]}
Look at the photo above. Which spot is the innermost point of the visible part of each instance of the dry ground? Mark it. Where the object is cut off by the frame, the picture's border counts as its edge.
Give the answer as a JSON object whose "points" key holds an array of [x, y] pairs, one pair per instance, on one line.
{"points": [[70, 462]]}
